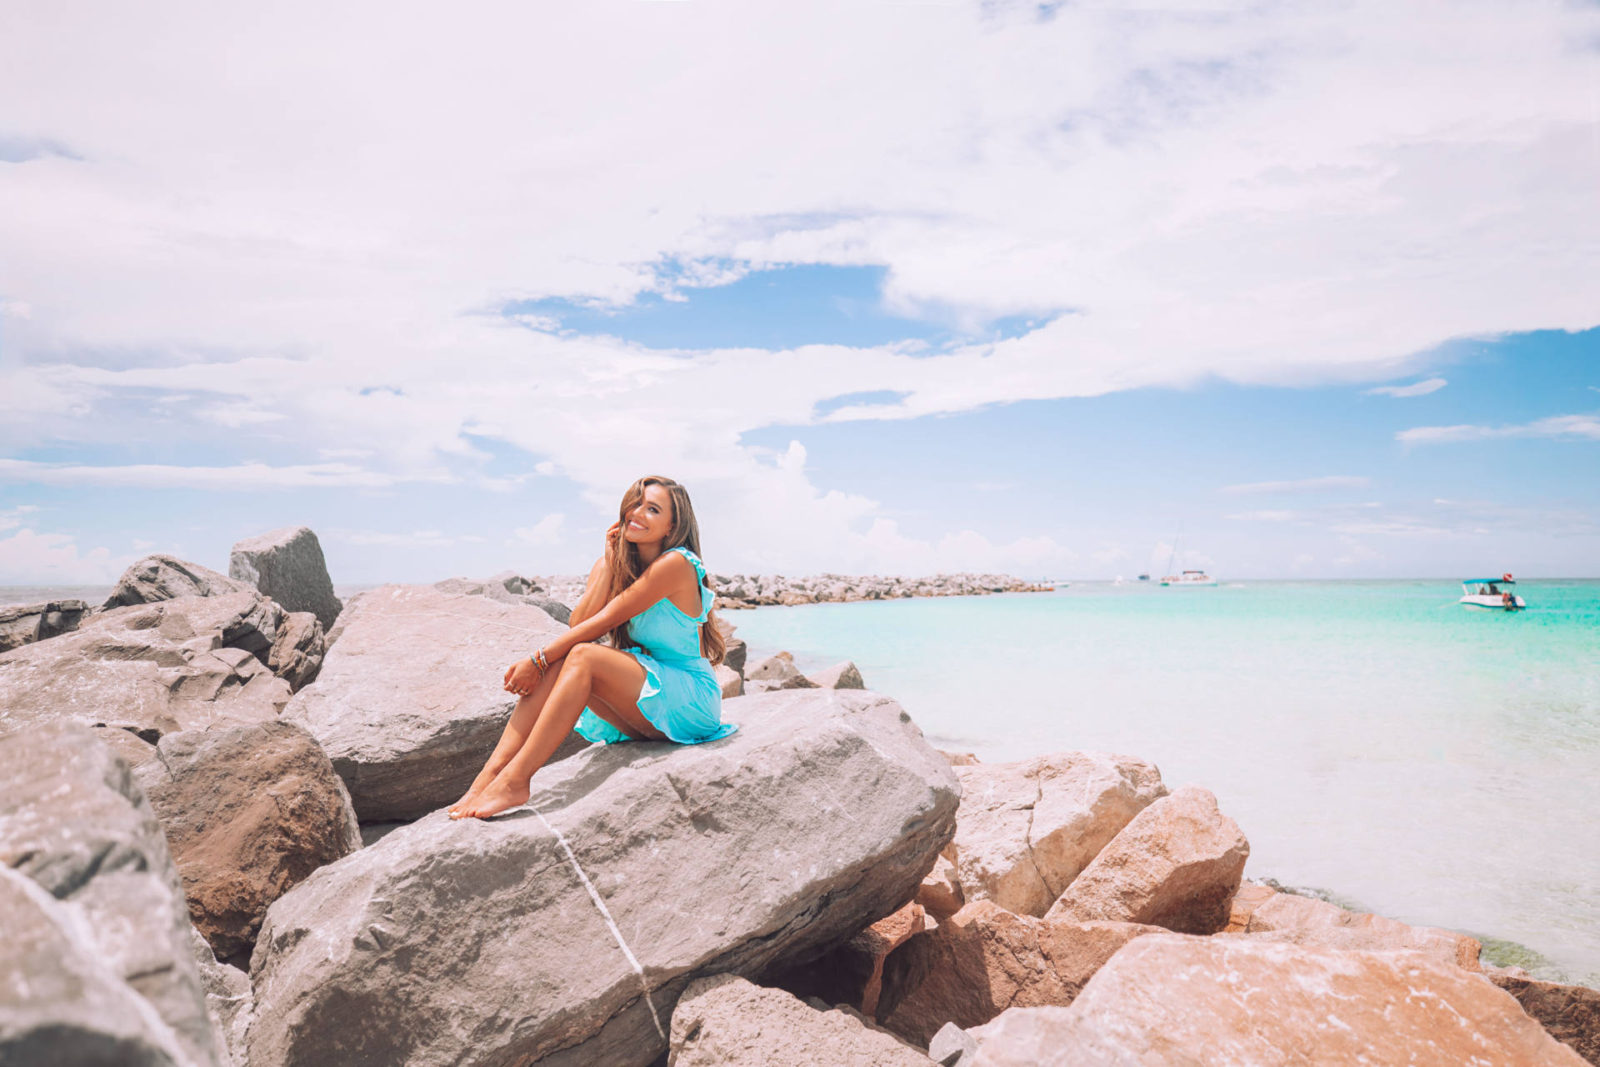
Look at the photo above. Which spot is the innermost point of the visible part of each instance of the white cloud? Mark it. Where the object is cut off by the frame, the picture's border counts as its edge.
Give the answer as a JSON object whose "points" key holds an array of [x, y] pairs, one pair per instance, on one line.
{"points": [[321, 271], [1303, 485], [1268, 515], [547, 531], [1422, 388], [29, 557], [1584, 427]]}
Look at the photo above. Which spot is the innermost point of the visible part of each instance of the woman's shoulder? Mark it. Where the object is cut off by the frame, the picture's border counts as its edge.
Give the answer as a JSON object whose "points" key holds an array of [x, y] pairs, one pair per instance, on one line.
{"points": [[685, 553]]}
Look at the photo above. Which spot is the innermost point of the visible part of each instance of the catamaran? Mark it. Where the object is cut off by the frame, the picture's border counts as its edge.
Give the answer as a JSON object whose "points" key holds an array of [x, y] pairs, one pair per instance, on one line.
{"points": [[1189, 578], [1492, 593]]}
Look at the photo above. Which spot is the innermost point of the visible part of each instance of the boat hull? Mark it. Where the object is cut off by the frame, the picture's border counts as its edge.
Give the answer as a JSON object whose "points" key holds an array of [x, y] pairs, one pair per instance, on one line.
{"points": [[1492, 603]]}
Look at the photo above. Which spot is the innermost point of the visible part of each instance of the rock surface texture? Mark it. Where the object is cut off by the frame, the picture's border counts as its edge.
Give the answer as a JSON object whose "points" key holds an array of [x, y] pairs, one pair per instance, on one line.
{"points": [[297, 652], [287, 565], [23, 624], [409, 702], [249, 812], [74, 822], [774, 673], [451, 942], [1569, 1013], [1304, 921], [1168, 999], [1177, 865], [985, 960], [151, 668], [1027, 829], [725, 1021], [59, 1004], [162, 577]]}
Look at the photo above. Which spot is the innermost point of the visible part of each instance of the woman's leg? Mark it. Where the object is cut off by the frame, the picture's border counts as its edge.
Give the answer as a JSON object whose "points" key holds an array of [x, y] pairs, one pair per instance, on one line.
{"points": [[606, 680], [513, 736]]}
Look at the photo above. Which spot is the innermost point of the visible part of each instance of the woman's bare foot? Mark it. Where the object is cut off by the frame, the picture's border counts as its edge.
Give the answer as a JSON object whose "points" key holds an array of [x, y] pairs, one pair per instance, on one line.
{"points": [[501, 795], [479, 784]]}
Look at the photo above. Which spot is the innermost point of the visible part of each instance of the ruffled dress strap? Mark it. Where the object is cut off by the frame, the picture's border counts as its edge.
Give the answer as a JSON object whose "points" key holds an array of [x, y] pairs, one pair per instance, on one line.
{"points": [[706, 596]]}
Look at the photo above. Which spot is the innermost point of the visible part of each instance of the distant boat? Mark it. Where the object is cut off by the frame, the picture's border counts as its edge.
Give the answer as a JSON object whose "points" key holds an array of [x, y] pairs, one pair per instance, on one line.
{"points": [[1144, 577], [1492, 593], [1188, 579]]}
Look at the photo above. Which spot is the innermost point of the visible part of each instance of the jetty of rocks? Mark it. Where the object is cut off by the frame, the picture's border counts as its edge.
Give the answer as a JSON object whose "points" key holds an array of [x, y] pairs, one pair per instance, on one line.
{"points": [[222, 844]]}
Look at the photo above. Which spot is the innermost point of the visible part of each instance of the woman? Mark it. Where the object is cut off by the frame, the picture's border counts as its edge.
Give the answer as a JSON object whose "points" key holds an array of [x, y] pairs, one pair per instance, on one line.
{"points": [[655, 683]]}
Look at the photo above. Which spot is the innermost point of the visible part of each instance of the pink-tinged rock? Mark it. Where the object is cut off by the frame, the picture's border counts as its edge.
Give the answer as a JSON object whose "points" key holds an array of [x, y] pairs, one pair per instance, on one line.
{"points": [[731, 681], [985, 960], [1177, 865], [960, 759], [1304, 921], [839, 676], [852, 973], [1026, 829], [940, 893], [1170, 999], [1569, 1013], [1250, 896], [725, 1021]]}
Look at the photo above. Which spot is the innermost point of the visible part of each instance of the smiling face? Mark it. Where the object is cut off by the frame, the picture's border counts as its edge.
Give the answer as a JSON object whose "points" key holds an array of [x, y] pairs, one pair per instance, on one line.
{"points": [[650, 521]]}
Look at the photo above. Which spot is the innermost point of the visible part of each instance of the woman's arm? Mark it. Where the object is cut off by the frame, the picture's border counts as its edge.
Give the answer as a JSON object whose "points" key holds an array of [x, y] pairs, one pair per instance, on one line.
{"points": [[594, 593], [669, 571]]}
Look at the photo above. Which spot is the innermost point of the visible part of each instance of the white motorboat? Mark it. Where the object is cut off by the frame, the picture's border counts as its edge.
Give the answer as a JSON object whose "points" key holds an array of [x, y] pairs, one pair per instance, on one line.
{"points": [[1189, 578], [1492, 593]]}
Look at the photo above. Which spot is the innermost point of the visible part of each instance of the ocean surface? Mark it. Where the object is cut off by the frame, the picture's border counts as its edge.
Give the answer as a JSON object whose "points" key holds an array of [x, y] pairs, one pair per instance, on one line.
{"points": [[1376, 741]]}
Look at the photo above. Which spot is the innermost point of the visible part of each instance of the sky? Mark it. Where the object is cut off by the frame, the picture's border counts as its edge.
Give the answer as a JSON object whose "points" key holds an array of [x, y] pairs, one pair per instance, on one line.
{"points": [[1059, 290]]}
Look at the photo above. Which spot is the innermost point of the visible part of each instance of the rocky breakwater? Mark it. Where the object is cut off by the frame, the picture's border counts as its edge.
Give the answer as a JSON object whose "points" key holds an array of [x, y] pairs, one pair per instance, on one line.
{"points": [[564, 932], [759, 590], [1085, 914]]}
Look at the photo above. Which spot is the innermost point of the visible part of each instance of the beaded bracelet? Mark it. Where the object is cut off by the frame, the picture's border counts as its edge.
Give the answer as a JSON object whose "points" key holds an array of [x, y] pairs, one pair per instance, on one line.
{"points": [[540, 662]]}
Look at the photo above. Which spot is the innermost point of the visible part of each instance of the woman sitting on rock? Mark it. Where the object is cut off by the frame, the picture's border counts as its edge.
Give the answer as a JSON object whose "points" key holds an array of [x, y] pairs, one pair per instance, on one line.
{"points": [[654, 683]]}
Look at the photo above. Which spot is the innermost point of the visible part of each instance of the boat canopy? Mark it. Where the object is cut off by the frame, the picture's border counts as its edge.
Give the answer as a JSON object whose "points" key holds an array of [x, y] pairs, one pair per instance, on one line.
{"points": [[1488, 581]]}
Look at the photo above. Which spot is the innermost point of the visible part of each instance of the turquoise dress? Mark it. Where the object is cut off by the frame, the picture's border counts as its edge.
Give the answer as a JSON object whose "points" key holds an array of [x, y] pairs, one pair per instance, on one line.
{"points": [[680, 696]]}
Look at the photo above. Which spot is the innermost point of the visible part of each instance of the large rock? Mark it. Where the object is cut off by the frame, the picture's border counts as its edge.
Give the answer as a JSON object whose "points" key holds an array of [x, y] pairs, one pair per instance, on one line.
{"points": [[1569, 1013], [287, 565], [774, 673], [410, 702], [730, 680], [1170, 999], [1304, 921], [73, 820], [725, 1021], [151, 668], [839, 676], [940, 893], [59, 1003], [249, 812], [450, 942], [985, 960], [229, 1000], [1177, 865], [23, 624], [1026, 829], [297, 652], [163, 577]]}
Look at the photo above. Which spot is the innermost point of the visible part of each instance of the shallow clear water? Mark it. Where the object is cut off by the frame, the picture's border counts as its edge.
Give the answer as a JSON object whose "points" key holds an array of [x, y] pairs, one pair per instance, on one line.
{"points": [[1427, 761]]}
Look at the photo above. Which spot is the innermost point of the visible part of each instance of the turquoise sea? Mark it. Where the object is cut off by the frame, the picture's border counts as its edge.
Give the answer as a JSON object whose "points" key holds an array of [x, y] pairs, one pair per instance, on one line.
{"points": [[1375, 740]]}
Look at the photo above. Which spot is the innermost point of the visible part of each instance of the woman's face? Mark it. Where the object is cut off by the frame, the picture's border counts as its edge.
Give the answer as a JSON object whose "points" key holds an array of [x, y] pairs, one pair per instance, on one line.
{"points": [[651, 520]]}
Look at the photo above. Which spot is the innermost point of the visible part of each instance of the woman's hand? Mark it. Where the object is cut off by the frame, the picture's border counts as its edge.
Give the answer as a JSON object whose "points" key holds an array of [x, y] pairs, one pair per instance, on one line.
{"points": [[522, 676]]}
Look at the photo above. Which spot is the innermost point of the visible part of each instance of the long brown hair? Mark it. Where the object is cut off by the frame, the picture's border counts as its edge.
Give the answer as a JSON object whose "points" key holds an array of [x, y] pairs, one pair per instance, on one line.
{"points": [[626, 568]]}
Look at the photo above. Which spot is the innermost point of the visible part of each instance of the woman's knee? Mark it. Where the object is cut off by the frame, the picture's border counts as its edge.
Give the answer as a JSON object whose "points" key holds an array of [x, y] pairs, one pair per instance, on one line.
{"points": [[580, 659]]}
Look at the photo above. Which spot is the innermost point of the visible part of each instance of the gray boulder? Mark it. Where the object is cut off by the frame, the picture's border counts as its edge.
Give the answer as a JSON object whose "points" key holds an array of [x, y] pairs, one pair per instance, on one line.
{"points": [[151, 668], [725, 1021], [563, 932], [550, 606], [287, 565], [163, 577], [23, 624], [59, 1003], [839, 676], [953, 1047], [410, 702], [776, 672], [73, 821], [229, 1001]]}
